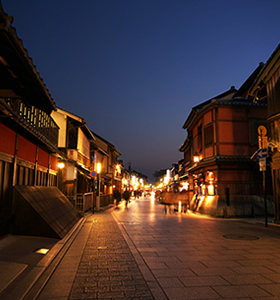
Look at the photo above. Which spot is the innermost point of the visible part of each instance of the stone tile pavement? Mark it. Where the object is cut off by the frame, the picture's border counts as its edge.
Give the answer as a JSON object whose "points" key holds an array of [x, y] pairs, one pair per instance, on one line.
{"points": [[107, 268], [143, 253]]}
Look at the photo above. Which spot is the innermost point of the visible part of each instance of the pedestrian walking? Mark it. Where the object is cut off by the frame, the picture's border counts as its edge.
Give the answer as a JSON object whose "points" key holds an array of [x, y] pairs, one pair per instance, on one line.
{"points": [[117, 196], [126, 196]]}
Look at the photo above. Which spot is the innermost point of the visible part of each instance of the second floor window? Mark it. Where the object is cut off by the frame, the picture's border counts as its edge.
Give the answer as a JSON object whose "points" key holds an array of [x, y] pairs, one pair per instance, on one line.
{"points": [[208, 135], [199, 138]]}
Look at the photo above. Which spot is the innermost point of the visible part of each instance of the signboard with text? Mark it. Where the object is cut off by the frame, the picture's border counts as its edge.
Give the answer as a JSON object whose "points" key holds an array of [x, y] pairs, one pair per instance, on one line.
{"points": [[262, 164]]}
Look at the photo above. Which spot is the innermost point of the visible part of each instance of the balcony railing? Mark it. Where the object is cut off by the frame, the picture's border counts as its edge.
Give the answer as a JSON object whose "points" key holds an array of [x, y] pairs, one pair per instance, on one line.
{"points": [[78, 157], [37, 118]]}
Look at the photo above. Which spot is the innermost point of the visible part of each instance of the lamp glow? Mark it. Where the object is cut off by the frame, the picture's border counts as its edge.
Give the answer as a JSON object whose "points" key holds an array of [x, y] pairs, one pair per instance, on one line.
{"points": [[98, 168], [61, 165], [196, 158]]}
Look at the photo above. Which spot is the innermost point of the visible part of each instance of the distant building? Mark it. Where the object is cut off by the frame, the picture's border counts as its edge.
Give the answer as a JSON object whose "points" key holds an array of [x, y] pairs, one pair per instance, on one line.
{"points": [[106, 154]]}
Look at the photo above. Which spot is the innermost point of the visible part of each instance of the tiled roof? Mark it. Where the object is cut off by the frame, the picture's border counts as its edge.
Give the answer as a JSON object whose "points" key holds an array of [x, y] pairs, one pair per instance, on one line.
{"points": [[221, 159], [237, 158], [241, 102]]}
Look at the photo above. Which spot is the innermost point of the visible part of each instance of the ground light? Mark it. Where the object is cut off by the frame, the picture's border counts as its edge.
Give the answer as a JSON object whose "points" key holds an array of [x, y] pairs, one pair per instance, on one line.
{"points": [[42, 251]]}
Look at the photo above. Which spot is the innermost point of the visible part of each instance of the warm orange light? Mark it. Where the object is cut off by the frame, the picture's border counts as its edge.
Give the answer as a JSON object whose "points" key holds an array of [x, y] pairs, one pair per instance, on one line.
{"points": [[211, 189], [98, 168], [210, 176], [196, 158], [61, 165], [42, 251]]}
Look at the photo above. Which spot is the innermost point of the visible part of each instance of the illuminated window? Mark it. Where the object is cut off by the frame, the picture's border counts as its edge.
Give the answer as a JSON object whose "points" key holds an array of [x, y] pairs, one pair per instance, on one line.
{"points": [[211, 190]]}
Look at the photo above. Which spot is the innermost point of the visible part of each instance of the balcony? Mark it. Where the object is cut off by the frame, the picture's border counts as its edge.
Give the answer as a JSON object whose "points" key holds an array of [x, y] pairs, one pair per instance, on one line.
{"points": [[79, 158], [36, 118]]}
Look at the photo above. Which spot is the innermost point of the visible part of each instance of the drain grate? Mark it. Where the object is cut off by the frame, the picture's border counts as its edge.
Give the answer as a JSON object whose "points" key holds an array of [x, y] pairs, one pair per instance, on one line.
{"points": [[244, 237]]}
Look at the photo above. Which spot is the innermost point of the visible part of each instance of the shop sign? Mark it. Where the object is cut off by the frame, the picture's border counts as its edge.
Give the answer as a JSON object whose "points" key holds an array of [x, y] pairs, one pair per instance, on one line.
{"points": [[262, 131], [262, 164]]}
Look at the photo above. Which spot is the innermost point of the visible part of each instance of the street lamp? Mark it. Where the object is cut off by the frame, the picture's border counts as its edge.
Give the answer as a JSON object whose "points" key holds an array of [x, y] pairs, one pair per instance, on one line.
{"points": [[98, 197]]}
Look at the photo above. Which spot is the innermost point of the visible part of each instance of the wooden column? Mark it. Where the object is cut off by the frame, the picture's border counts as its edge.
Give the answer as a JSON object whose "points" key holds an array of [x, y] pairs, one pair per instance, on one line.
{"points": [[35, 167], [15, 162]]}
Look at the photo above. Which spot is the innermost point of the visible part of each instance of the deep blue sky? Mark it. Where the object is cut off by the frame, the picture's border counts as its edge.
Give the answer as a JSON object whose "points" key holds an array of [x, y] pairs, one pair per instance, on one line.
{"points": [[133, 69]]}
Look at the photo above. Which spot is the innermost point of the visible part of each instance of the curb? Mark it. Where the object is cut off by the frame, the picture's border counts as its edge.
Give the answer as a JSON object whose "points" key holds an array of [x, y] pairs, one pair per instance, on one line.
{"points": [[28, 284]]}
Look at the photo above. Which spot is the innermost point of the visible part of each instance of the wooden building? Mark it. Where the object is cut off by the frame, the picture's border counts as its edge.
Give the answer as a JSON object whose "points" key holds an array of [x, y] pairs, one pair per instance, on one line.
{"points": [[267, 86], [106, 154], [74, 140], [28, 145], [223, 180]]}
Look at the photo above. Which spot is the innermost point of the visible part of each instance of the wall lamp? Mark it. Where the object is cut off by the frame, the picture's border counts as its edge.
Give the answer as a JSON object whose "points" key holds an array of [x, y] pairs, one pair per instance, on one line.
{"points": [[196, 158]]}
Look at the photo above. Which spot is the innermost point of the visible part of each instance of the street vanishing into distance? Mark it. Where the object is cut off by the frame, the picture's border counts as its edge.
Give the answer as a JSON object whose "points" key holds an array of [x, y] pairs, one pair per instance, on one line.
{"points": [[143, 252]]}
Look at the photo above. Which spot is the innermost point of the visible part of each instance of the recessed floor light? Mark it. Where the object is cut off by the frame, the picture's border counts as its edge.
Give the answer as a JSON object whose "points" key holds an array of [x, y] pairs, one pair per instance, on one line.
{"points": [[42, 251]]}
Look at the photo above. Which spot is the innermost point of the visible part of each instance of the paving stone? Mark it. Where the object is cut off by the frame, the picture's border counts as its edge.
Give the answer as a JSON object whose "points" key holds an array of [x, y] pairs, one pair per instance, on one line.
{"points": [[130, 255], [191, 293], [203, 281], [273, 289], [248, 279], [238, 291], [111, 271]]}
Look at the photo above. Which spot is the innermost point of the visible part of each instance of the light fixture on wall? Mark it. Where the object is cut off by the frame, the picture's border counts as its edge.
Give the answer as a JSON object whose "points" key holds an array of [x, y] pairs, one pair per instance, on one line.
{"points": [[196, 157], [98, 170], [61, 165]]}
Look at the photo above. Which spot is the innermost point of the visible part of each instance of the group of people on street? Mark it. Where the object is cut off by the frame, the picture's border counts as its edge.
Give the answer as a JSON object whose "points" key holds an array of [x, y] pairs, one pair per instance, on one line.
{"points": [[171, 200], [118, 197]]}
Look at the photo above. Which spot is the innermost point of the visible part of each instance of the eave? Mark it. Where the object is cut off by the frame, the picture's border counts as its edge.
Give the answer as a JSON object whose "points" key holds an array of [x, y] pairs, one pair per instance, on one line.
{"points": [[79, 121], [221, 159], [272, 64], [220, 102], [26, 81]]}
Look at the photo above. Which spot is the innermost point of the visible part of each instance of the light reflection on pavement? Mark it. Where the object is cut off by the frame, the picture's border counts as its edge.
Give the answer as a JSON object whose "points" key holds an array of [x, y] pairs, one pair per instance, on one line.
{"points": [[189, 257]]}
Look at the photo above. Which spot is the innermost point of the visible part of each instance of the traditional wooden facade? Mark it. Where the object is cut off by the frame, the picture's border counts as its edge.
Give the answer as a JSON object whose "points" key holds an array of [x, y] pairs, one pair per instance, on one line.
{"points": [[221, 138], [267, 86], [74, 140], [28, 138], [107, 155]]}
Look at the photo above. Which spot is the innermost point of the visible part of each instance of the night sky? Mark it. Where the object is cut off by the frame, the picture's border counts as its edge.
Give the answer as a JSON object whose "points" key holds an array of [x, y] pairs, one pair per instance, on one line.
{"points": [[133, 69]]}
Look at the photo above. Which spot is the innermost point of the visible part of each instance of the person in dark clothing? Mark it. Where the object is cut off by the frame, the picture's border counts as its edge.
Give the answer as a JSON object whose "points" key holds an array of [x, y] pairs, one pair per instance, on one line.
{"points": [[126, 196], [117, 196]]}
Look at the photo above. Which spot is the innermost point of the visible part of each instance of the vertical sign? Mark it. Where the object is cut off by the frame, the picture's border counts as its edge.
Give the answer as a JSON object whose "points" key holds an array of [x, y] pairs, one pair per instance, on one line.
{"points": [[262, 131]]}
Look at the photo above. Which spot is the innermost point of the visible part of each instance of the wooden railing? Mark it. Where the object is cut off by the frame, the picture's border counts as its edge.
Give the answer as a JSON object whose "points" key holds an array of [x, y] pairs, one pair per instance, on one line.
{"points": [[78, 157], [84, 202], [37, 118]]}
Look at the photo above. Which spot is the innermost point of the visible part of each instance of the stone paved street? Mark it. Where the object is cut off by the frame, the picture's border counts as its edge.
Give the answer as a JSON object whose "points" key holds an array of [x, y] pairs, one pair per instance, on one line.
{"points": [[143, 253], [108, 269]]}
